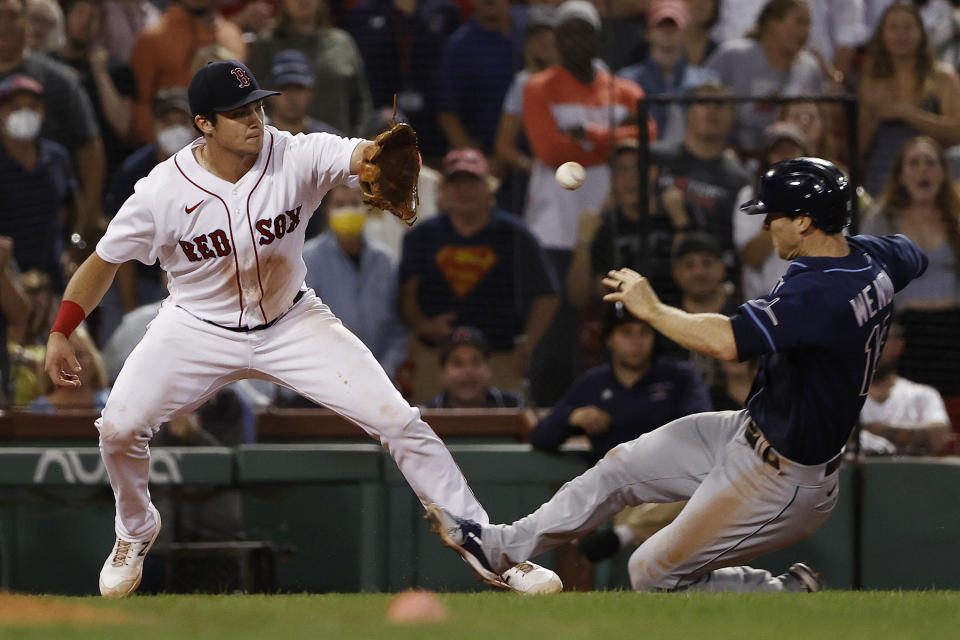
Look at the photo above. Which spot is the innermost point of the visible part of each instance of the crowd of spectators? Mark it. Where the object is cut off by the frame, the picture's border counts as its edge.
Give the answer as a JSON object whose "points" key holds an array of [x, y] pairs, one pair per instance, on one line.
{"points": [[493, 298]]}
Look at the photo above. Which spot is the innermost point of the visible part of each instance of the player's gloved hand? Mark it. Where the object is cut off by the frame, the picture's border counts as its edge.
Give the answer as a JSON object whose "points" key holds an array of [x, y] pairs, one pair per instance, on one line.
{"points": [[389, 171], [591, 419], [634, 291], [60, 362]]}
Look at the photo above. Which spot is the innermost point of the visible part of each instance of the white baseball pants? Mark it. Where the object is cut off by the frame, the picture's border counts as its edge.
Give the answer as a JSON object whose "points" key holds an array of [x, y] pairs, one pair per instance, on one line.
{"points": [[183, 360], [739, 508]]}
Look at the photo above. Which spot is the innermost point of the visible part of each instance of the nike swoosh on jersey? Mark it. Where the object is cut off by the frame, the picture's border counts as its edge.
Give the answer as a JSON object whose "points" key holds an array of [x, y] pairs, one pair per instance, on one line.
{"points": [[187, 209]]}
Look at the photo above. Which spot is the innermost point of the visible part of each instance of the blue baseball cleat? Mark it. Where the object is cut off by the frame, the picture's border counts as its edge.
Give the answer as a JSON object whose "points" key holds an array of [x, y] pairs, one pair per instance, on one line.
{"points": [[463, 536]]}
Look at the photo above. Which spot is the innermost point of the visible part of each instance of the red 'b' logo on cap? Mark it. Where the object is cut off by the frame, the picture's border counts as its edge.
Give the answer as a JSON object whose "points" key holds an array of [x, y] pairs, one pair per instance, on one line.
{"points": [[241, 77]]}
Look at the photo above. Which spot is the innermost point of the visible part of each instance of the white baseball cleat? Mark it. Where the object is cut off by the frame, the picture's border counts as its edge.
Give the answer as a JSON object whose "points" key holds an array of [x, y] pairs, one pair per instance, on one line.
{"points": [[531, 579], [464, 537], [123, 568]]}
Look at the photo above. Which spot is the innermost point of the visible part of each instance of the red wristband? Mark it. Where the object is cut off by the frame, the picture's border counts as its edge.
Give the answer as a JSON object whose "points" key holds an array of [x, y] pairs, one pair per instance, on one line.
{"points": [[69, 318]]}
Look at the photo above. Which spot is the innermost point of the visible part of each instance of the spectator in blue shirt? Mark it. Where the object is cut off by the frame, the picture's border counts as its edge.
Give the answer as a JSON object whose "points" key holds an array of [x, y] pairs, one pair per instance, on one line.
{"points": [[37, 182], [357, 279], [476, 67], [666, 71], [635, 393], [465, 362]]}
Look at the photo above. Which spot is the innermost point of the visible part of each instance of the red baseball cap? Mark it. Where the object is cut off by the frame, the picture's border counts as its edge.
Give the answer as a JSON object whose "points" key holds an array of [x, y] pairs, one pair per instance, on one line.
{"points": [[19, 83], [465, 161], [675, 10]]}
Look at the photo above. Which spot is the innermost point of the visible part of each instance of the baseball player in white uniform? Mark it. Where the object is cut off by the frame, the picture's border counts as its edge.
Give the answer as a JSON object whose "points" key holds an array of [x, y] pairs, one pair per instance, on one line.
{"points": [[226, 217]]}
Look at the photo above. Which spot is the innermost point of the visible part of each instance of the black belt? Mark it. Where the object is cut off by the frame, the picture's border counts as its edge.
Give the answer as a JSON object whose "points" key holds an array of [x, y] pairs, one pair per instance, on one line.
{"points": [[770, 457], [265, 325]]}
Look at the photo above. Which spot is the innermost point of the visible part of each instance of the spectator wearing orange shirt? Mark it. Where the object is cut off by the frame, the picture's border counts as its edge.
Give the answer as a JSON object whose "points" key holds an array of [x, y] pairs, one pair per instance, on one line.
{"points": [[163, 53], [568, 112]]}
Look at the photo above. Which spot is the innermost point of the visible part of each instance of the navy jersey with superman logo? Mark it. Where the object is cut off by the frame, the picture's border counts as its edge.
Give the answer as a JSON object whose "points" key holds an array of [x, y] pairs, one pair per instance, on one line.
{"points": [[818, 335]]}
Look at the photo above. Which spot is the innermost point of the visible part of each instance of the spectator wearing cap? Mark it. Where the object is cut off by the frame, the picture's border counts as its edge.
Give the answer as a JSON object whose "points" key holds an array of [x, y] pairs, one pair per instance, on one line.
{"points": [[761, 267], [400, 41], [476, 67], [466, 375], [37, 182], [292, 75], [138, 284], [108, 81], [666, 71], [772, 61], [343, 96], [633, 393], [163, 52], [357, 279], [69, 116], [701, 276], [510, 144], [698, 179], [474, 263], [572, 111]]}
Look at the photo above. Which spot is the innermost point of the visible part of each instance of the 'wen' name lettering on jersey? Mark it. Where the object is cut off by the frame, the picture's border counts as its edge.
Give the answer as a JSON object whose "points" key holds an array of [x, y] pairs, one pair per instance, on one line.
{"points": [[818, 338], [874, 297]]}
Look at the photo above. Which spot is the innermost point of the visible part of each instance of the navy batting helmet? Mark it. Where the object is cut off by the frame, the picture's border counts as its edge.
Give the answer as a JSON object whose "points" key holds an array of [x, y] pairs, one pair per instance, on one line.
{"points": [[805, 186]]}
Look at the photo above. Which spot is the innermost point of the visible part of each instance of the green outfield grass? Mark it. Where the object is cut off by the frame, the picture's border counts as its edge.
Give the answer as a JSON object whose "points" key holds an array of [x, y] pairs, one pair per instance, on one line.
{"points": [[501, 616]]}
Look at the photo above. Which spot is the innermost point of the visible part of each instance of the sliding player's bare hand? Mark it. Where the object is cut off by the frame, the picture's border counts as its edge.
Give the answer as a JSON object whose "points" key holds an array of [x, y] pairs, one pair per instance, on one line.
{"points": [[633, 290]]}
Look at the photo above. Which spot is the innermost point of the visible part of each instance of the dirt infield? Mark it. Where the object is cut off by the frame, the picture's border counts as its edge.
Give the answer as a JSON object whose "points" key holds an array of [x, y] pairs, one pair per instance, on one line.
{"points": [[24, 610]]}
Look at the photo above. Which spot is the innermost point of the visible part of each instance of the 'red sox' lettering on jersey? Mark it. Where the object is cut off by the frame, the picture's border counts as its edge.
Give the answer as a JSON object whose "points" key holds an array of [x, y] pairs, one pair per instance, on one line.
{"points": [[236, 258], [274, 229]]}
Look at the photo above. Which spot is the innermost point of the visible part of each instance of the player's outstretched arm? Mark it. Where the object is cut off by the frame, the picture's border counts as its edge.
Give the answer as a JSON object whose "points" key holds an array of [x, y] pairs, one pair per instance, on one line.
{"points": [[84, 292], [356, 158], [708, 333]]}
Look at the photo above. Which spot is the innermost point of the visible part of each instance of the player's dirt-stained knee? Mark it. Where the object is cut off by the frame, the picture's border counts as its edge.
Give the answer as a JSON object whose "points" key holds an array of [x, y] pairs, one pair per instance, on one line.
{"points": [[645, 575]]}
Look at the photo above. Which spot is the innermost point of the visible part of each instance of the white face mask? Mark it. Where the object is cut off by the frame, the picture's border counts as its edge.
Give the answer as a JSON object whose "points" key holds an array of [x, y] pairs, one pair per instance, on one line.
{"points": [[23, 124], [174, 138]]}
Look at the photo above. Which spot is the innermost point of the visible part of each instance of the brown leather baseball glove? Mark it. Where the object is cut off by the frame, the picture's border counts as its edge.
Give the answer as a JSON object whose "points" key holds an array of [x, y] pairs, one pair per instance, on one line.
{"points": [[389, 171]]}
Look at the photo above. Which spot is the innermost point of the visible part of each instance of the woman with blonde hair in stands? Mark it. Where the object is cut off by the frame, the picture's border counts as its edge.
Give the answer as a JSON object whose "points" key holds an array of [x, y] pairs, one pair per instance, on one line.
{"points": [[921, 202], [904, 92]]}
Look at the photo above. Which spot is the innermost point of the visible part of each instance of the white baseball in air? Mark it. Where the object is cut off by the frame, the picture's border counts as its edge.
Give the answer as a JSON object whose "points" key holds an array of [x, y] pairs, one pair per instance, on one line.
{"points": [[571, 175]]}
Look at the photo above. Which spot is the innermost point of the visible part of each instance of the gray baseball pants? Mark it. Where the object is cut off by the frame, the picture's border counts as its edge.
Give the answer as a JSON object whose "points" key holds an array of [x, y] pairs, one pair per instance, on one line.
{"points": [[739, 506]]}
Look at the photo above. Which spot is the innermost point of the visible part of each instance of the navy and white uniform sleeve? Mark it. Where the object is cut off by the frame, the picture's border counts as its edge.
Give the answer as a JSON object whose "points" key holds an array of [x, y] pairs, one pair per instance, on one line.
{"points": [[902, 259], [779, 321]]}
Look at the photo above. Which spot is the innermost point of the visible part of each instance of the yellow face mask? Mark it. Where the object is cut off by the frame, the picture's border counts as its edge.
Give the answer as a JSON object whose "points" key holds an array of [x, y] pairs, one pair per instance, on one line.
{"points": [[347, 221]]}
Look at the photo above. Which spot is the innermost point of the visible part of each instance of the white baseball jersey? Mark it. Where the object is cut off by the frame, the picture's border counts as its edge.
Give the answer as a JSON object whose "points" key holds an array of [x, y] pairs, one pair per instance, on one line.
{"points": [[232, 251]]}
